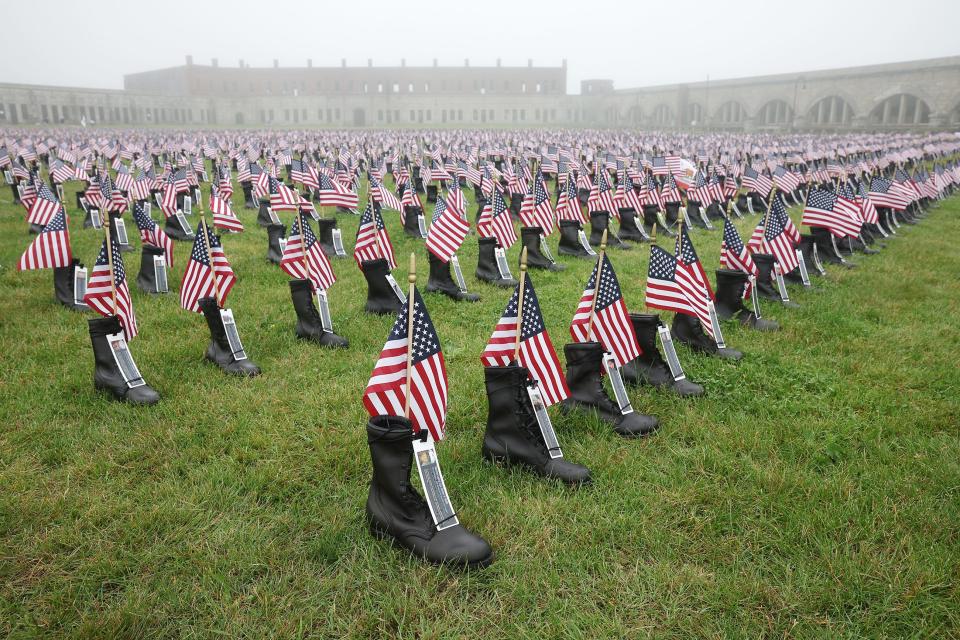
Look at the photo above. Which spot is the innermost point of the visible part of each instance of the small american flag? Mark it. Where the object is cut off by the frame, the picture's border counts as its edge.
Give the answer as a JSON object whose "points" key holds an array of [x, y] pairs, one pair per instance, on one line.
{"points": [[568, 206], [281, 196], [320, 272], [611, 322], [536, 350], [223, 215], [151, 233], [756, 182], [44, 206], [536, 211], [333, 194], [785, 180], [663, 292], [99, 296], [831, 211], [601, 195], [386, 391], [447, 231], [383, 195], [373, 241], [733, 254], [883, 195], [777, 240], [495, 221], [51, 247], [197, 280], [693, 281]]}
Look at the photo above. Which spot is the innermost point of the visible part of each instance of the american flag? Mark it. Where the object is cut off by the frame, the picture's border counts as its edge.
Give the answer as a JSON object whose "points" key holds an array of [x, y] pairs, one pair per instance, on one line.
{"points": [[197, 280], [867, 208], [785, 180], [611, 321], [670, 192], [99, 296], [299, 172], [333, 194], [447, 231], [659, 166], [44, 206], [674, 164], [568, 206], [456, 201], [831, 211], [151, 233], [733, 254], [601, 196], [224, 185], [62, 172], [495, 221], [883, 195], [282, 198], [140, 189], [373, 241], [693, 281], [777, 238], [111, 197], [650, 194], [386, 391], [536, 211], [756, 182], [223, 215], [168, 201], [321, 273], [536, 350], [124, 179], [383, 195], [700, 190], [663, 292], [51, 247]]}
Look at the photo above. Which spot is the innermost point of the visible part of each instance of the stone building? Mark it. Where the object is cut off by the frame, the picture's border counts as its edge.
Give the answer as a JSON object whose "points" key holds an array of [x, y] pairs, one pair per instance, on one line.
{"points": [[921, 95]]}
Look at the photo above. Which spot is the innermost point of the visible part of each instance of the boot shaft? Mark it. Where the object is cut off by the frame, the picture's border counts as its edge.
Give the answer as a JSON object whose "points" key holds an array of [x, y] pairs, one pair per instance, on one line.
{"points": [[645, 325], [301, 292], [730, 288]]}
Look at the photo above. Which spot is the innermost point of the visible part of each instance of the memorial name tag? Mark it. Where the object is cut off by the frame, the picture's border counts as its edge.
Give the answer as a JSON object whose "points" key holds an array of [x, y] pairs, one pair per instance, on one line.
{"points": [[323, 305], [337, 242], [715, 323], [753, 296], [95, 220], [187, 205], [804, 276], [123, 358], [434, 489], [121, 228], [545, 249], [422, 225], [79, 285], [781, 285], [401, 296], [616, 381], [8, 177], [502, 265], [184, 226], [160, 273], [543, 419], [458, 274], [233, 336], [666, 342], [583, 243], [273, 216]]}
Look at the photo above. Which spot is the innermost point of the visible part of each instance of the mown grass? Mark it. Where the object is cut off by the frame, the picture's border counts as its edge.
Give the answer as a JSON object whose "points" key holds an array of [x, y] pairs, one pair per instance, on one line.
{"points": [[814, 491]]}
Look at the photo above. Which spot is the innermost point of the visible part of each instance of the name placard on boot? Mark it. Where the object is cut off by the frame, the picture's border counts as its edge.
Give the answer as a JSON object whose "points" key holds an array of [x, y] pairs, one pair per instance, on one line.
{"points": [[422, 225], [283, 244], [198, 196], [184, 225], [434, 489], [124, 359], [148, 208], [121, 228], [753, 296], [502, 265], [662, 220], [94, 217], [750, 204], [582, 237], [545, 249], [8, 177], [616, 381], [60, 192], [273, 216], [804, 276], [337, 238], [233, 336], [715, 323], [543, 420], [666, 343], [79, 285], [736, 209], [323, 305], [397, 291], [705, 219], [781, 285], [458, 274], [188, 205], [816, 261], [160, 273]]}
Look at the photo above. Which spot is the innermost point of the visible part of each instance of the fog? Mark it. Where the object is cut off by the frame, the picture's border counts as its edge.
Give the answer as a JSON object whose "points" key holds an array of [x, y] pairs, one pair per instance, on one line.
{"points": [[64, 42]]}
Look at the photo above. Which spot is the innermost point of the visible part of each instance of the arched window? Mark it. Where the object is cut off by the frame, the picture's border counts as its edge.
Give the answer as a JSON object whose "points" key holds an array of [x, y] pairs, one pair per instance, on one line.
{"points": [[662, 115], [901, 109], [830, 111], [775, 112], [730, 113]]}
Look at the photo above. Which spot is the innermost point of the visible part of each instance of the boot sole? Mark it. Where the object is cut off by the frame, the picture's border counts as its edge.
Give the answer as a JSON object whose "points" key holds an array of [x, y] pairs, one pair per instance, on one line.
{"points": [[380, 534], [502, 460]]}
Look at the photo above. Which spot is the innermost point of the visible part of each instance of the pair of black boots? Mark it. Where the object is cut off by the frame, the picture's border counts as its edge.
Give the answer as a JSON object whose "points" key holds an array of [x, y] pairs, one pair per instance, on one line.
{"points": [[764, 285], [147, 277], [600, 222], [688, 330], [274, 234], [649, 367]]}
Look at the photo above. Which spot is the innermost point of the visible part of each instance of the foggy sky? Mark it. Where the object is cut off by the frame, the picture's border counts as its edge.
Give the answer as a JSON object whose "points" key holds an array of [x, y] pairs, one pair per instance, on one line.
{"points": [[634, 42]]}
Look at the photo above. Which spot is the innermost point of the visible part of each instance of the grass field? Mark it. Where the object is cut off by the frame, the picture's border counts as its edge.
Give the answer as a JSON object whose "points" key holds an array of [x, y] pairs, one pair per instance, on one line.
{"points": [[814, 491]]}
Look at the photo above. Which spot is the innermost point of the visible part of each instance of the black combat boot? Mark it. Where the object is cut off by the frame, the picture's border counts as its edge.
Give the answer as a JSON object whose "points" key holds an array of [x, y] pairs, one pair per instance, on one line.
{"points": [[600, 222], [263, 214], [309, 323], [431, 193], [147, 278], [764, 285], [825, 247], [34, 229], [808, 248], [650, 217], [274, 233], [570, 240], [381, 298], [729, 305], [584, 366], [172, 228], [687, 329], [248, 202], [487, 269], [63, 286], [219, 351], [531, 237], [411, 221], [442, 282], [516, 203], [628, 225], [650, 367], [395, 509], [325, 227], [513, 435], [106, 374]]}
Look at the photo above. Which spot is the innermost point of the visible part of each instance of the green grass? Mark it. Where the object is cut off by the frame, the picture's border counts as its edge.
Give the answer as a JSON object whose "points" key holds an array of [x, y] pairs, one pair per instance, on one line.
{"points": [[814, 491]]}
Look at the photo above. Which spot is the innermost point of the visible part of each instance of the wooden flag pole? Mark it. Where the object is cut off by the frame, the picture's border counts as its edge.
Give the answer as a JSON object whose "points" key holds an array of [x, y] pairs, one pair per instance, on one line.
{"points": [[206, 246], [523, 284], [109, 240], [596, 284], [412, 279]]}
